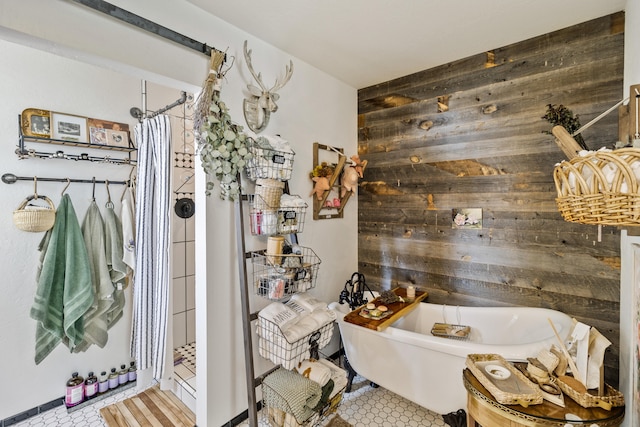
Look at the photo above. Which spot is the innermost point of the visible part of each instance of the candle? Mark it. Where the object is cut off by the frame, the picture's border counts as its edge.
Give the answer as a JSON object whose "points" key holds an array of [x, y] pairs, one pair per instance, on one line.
{"points": [[411, 293]]}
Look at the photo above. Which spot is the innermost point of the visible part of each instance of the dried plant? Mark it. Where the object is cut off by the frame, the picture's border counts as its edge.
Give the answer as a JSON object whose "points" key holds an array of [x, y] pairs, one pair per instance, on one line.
{"points": [[561, 115]]}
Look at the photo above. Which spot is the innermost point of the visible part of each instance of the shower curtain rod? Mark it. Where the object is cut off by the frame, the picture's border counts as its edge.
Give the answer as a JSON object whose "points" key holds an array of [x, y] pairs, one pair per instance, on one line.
{"points": [[9, 178], [182, 100], [147, 25]]}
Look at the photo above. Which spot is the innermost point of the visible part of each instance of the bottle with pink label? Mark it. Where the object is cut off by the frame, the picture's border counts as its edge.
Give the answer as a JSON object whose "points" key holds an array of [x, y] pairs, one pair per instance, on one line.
{"points": [[75, 390], [91, 386]]}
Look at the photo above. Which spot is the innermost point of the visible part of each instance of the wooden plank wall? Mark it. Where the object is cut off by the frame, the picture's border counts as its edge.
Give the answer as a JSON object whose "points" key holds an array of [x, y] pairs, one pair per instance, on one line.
{"points": [[470, 134]]}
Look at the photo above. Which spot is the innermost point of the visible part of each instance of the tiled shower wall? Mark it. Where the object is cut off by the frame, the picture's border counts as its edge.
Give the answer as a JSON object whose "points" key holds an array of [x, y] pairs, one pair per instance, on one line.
{"points": [[183, 284]]}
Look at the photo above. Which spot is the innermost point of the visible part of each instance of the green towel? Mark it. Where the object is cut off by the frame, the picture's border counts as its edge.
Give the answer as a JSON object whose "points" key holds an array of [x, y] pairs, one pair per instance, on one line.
{"points": [[116, 266], [95, 320], [64, 292], [292, 393]]}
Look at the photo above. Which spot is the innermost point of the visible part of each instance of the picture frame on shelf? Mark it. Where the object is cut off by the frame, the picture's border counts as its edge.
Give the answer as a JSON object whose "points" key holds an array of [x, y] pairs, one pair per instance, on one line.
{"points": [[36, 122], [66, 127], [103, 132]]}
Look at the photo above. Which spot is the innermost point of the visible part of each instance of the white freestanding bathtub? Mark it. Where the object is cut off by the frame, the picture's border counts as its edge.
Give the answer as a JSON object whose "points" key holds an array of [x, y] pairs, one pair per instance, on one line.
{"points": [[407, 360]]}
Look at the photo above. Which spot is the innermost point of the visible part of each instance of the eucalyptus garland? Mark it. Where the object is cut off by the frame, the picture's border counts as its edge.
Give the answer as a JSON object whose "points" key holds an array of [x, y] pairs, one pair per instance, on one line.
{"points": [[223, 149]]}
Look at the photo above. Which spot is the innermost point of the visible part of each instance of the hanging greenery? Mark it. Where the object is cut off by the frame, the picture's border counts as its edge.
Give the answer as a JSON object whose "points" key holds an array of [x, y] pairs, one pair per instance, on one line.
{"points": [[223, 149], [561, 115]]}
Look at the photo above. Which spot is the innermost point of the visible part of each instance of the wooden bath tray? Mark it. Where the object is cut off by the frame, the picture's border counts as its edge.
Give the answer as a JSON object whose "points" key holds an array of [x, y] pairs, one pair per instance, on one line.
{"points": [[514, 389], [399, 309]]}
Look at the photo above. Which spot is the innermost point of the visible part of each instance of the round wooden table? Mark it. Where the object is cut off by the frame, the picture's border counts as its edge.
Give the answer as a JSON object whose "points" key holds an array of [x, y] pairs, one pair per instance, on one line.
{"points": [[484, 410]]}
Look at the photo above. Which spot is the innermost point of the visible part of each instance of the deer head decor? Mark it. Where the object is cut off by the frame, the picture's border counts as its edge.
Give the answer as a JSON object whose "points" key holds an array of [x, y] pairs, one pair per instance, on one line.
{"points": [[262, 101]]}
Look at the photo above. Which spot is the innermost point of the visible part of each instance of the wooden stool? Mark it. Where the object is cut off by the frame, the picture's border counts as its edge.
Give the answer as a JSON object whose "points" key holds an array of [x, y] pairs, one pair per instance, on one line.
{"points": [[484, 410]]}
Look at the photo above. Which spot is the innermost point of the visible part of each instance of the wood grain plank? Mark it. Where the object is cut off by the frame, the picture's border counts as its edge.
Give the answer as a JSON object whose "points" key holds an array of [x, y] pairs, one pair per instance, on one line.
{"points": [[175, 413], [111, 417], [188, 413]]}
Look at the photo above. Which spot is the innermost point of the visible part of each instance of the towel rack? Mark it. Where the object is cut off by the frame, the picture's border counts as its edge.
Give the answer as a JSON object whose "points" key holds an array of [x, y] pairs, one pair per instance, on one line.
{"points": [[9, 178]]}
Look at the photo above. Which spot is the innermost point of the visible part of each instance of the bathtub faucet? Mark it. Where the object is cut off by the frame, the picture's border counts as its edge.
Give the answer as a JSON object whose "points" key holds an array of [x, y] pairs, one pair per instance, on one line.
{"points": [[353, 291]]}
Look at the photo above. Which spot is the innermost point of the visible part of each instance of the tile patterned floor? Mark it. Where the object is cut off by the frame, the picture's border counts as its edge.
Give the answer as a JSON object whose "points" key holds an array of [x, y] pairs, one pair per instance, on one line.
{"points": [[365, 406], [89, 416]]}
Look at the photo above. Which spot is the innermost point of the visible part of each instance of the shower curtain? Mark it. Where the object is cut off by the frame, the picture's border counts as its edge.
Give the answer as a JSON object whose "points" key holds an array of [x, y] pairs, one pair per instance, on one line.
{"points": [[151, 280]]}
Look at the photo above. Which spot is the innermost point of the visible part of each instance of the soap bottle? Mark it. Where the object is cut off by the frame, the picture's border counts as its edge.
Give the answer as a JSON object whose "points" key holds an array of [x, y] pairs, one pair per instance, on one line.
{"points": [[75, 390], [113, 379], [91, 386], [123, 375], [133, 372], [103, 383]]}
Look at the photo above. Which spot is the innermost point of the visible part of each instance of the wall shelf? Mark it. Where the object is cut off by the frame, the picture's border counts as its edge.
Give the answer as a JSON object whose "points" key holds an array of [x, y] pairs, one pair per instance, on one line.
{"points": [[123, 155], [334, 184]]}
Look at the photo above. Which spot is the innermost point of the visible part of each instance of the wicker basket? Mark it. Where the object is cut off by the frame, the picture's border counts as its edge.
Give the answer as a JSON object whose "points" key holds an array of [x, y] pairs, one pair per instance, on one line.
{"points": [[529, 393], [600, 188], [35, 218], [611, 396], [268, 194]]}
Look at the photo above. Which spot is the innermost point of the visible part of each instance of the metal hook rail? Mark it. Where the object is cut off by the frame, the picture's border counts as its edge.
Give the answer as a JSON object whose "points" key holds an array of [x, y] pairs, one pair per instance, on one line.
{"points": [[9, 178]]}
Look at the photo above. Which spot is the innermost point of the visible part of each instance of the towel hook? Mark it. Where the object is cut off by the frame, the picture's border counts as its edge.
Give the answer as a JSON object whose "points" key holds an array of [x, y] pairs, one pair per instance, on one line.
{"points": [[93, 194], [130, 183], [109, 203], [65, 187]]}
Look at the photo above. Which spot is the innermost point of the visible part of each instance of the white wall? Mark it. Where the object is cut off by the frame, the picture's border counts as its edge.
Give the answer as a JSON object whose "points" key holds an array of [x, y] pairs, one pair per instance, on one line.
{"points": [[32, 78], [313, 107]]}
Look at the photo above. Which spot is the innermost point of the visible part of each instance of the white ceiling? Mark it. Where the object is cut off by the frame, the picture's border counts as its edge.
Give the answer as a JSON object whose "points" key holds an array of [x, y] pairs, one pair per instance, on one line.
{"points": [[365, 42]]}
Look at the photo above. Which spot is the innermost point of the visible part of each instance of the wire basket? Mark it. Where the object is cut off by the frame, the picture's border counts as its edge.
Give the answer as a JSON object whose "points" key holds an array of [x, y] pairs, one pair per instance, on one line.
{"points": [[275, 220], [267, 162], [600, 187], [274, 345], [277, 413], [278, 276]]}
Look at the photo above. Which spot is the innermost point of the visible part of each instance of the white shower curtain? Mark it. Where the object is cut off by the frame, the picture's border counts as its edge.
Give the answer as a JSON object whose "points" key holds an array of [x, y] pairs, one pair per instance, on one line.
{"points": [[151, 280]]}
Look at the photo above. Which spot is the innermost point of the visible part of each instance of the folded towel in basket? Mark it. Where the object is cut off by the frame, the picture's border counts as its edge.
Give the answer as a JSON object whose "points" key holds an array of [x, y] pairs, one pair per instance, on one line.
{"points": [[279, 314], [338, 375], [303, 302], [292, 393]]}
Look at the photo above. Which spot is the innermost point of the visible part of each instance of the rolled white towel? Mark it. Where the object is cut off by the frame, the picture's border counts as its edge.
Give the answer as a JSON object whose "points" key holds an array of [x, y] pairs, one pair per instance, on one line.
{"points": [[314, 370]]}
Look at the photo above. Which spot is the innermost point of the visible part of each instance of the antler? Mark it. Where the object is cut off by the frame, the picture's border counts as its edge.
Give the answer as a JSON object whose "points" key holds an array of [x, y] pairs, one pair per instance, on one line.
{"points": [[254, 90], [287, 75], [267, 96]]}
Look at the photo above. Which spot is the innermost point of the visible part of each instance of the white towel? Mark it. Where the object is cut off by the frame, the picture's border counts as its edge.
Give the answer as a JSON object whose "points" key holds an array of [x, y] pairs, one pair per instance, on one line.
{"points": [[279, 314], [305, 302], [128, 229], [314, 370]]}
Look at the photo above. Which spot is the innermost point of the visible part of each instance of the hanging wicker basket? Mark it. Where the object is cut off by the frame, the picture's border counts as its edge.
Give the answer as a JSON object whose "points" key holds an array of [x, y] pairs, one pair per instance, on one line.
{"points": [[35, 218], [600, 187]]}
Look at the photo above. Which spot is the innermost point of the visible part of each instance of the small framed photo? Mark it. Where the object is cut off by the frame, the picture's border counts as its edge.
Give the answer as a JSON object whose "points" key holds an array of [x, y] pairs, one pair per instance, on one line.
{"points": [[108, 133], [69, 128], [466, 218], [36, 122]]}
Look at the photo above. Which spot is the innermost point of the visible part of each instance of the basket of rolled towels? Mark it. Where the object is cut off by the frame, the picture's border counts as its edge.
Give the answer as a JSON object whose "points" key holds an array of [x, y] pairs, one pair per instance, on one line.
{"points": [[290, 332], [600, 187], [272, 158], [303, 396]]}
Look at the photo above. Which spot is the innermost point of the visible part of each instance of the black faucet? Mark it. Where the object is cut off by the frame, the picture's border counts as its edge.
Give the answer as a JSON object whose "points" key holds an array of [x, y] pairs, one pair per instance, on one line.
{"points": [[353, 292]]}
